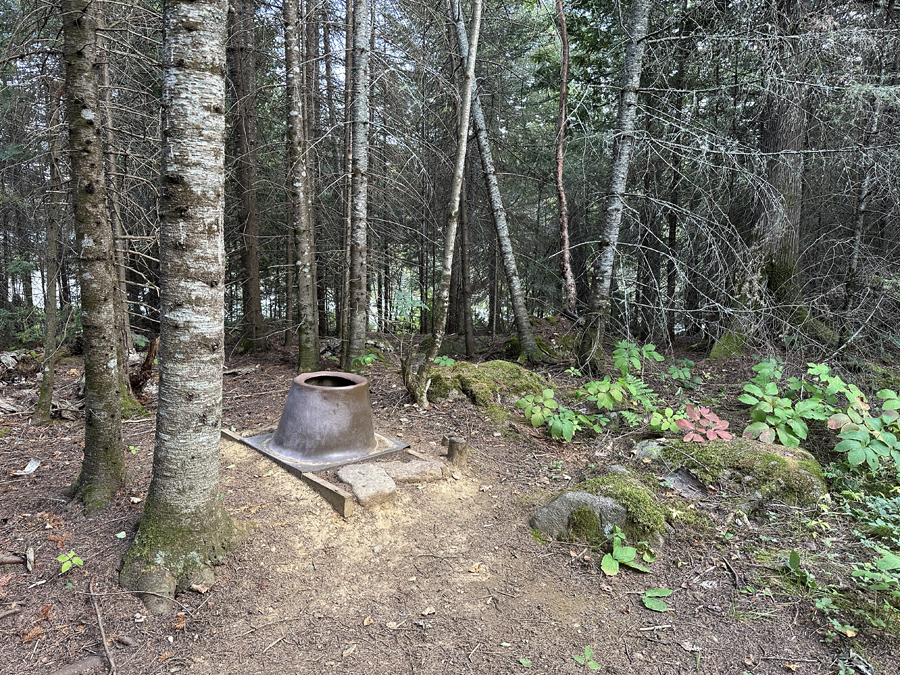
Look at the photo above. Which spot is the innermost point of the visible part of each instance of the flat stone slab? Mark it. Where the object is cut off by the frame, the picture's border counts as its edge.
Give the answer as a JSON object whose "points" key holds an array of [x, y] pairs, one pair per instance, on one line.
{"points": [[553, 519], [417, 471], [370, 483]]}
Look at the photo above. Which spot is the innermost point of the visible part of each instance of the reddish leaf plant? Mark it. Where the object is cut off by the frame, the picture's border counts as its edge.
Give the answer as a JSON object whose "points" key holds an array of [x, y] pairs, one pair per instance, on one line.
{"points": [[701, 424]]}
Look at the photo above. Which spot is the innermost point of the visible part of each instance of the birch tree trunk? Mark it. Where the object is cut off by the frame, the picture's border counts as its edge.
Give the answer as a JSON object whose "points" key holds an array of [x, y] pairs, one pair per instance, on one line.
{"points": [[300, 196], [184, 528], [602, 267], [498, 213], [565, 255], [242, 64], [358, 300], [54, 197], [418, 386], [103, 468]]}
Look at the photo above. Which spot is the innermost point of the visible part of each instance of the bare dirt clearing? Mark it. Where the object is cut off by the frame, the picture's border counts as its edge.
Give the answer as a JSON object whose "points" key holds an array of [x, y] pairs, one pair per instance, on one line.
{"points": [[446, 579]]}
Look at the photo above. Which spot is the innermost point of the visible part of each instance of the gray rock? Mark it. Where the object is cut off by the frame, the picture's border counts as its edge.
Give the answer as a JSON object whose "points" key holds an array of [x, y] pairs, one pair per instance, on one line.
{"points": [[553, 519], [370, 483], [8, 360], [617, 468], [417, 471], [650, 449]]}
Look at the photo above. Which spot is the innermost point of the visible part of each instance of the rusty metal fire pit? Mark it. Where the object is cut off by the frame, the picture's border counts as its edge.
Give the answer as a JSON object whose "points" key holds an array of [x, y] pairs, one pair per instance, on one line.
{"points": [[326, 422]]}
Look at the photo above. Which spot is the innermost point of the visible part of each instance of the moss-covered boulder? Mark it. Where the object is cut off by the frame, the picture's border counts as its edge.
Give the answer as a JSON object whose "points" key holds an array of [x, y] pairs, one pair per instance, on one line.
{"points": [[645, 515], [485, 384], [790, 475]]}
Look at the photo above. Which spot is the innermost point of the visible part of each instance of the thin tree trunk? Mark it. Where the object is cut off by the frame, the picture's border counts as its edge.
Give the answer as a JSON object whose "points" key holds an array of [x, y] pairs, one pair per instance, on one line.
{"points": [[866, 164], [565, 255], [418, 386], [300, 197], [358, 306], [523, 325], [595, 322], [54, 197], [468, 328], [243, 76], [184, 528], [103, 468]]}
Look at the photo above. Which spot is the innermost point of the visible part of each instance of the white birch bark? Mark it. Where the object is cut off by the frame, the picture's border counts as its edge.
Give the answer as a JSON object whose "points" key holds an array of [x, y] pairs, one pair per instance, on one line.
{"points": [[498, 212], [184, 528], [103, 468], [421, 382], [602, 267], [300, 196]]}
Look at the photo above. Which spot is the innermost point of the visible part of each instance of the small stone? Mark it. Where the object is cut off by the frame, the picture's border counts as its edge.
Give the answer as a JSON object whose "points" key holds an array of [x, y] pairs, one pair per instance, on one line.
{"points": [[553, 519], [650, 450], [416, 471], [370, 484]]}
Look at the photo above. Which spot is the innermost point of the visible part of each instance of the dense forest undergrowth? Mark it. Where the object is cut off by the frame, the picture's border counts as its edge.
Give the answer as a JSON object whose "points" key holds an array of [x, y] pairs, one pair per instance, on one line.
{"points": [[449, 577]]}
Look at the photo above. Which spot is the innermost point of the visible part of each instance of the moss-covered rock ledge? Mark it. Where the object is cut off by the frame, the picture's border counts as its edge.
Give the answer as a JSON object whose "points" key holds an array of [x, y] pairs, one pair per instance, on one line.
{"points": [[790, 475], [483, 383]]}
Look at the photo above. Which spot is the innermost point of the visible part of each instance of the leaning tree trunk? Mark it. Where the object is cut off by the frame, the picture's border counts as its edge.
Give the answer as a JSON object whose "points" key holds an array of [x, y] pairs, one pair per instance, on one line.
{"points": [[418, 385], [54, 197], [184, 528], [523, 325], [358, 300], [103, 468], [565, 254], [242, 54], [300, 196], [602, 268]]}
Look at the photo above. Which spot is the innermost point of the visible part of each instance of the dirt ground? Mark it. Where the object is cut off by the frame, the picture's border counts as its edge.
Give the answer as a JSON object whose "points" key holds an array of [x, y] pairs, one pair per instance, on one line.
{"points": [[446, 579]]}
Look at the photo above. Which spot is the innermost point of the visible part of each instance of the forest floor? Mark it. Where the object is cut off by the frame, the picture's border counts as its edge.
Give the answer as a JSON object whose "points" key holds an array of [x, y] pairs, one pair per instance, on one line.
{"points": [[446, 579]]}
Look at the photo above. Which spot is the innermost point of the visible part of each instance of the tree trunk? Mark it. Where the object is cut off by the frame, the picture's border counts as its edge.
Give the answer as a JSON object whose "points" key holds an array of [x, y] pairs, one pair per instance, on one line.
{"points": [[468, 328], [418, 386], [565, 255], [103, 468], [300, 197], [184, 528], [358, 301], [54, 197], [526, 337], [242, 66], [602, 269]]}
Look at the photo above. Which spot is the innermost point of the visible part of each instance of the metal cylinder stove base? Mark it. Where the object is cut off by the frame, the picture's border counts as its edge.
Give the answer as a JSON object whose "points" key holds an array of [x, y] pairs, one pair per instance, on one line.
{"points": [[326, 422]]}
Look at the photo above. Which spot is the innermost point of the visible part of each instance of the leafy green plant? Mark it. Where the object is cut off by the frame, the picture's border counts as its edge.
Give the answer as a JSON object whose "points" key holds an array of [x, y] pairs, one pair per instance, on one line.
{"points": [[776, 416], [587, 659], [799, 575], [537, 408], [627, 356], [360, 363], [652, 599], [665, 419], [682, 373], [621, 554], [68, 560], [702, 425], [540, 409], [881, 575], [444, 361], [869, 439], [573, 372]]}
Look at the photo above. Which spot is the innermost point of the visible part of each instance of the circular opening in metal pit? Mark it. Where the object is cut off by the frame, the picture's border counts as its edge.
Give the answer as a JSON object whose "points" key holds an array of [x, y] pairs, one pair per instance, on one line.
{"points": [[330, 381]]}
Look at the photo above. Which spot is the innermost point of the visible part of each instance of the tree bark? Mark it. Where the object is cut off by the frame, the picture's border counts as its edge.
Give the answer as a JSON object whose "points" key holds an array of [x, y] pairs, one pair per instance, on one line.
{"points": [[602, 268], [358, 301], [184, 528], [300, 196], [419, 385], [565, 254], [523, 325], [54, 197], [103, 468], [242, 66]]}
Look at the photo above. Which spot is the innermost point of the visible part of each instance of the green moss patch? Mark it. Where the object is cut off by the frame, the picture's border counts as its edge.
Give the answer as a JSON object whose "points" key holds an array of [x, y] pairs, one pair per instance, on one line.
{"points": [[485, 384], [790, 475], [646, 516], [584, 525]]}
